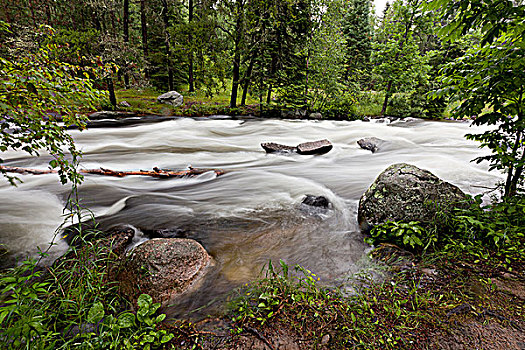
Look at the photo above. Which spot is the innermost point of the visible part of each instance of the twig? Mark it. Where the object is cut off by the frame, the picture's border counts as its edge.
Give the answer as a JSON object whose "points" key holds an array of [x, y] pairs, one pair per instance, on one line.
{"points": [[260, 336]]}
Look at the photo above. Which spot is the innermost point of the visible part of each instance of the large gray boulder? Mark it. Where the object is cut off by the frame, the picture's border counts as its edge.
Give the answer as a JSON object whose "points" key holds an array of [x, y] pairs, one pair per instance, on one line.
{"points": [[172, 98], [404, 192], [163, 268]]}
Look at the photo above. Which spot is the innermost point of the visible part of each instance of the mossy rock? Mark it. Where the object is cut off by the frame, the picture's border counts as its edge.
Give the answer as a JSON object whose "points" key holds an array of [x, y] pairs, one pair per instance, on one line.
{"points": [[404, 192]]}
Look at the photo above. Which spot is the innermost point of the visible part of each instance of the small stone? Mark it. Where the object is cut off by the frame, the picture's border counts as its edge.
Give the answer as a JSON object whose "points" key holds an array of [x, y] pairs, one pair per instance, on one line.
{"points": [[325, 339], [429, 272], [125, 104], [316, 115]]}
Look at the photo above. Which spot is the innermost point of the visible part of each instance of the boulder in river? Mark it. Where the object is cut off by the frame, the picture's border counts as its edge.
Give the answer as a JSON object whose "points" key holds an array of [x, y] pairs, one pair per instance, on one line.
{"points": [[315, 147], [272, 147], [316, 201], [163, 268], [371, 143], [404, 192], [172, 98]]}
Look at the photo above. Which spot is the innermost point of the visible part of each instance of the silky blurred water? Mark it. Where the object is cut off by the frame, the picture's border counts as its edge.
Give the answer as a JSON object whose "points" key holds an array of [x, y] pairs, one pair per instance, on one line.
{"points": [[252, 213]]}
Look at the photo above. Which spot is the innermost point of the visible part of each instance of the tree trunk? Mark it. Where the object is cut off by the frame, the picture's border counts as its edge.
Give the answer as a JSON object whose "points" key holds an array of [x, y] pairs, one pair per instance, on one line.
{"points": [[191, 87], [167, 41], [144, 28], [111, 89], [247, 79], [273, 70], [125, 19], [387, 96], [236, 75]]}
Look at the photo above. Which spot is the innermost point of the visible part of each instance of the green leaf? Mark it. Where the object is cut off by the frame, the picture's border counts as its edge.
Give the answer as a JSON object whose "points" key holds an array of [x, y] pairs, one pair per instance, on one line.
{"points": [[126, 320], [144, 300], [3, 315], [160, 318], [96, 313]]}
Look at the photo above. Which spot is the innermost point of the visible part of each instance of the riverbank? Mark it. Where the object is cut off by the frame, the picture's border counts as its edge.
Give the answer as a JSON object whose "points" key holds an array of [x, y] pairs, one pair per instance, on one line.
{"points": [[463, 294], [198, 104]]}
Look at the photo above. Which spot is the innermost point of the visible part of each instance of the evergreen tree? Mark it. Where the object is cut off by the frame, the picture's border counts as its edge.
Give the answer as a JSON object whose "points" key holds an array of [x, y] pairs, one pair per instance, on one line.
{"points": [[357, 27]]}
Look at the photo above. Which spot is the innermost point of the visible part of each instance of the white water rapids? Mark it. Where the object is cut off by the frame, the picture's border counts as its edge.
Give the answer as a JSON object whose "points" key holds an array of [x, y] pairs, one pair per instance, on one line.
{"points": [[253, 212]]}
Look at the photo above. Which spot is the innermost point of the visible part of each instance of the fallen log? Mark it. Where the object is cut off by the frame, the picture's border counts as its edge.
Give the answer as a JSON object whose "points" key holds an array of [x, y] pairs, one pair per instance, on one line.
{"points": [[156, 172]]}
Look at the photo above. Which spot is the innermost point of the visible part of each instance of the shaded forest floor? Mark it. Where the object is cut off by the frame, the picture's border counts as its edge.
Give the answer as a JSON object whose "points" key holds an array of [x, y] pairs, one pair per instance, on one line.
{"points": [[198, 104]]}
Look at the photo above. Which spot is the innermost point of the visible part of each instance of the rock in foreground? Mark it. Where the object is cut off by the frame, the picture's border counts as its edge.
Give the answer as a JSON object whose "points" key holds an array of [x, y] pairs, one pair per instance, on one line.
{"points": [[163, 268], [172, 98], [403, 192]]}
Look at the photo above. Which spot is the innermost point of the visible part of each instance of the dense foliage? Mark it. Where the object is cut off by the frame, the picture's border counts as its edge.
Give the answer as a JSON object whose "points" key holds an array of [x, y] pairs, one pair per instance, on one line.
{"points": [[38, 91], [489, 79]]}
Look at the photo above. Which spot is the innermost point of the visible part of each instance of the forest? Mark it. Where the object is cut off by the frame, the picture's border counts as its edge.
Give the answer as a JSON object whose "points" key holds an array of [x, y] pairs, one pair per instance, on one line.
{"points": [[322, 56], [273, 248]]}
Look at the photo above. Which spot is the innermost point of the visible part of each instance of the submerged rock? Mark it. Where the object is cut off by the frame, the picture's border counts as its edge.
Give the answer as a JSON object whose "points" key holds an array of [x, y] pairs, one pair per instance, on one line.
{"points": [[111, 115], [316, 201], [172, 98], [404, 192], [371, 143], [315, 147], [163, 268], [272, 147]]}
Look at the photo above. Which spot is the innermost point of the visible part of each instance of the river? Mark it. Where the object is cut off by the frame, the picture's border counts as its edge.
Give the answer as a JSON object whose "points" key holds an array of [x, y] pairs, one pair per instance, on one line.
{"points": [[253, 212]]}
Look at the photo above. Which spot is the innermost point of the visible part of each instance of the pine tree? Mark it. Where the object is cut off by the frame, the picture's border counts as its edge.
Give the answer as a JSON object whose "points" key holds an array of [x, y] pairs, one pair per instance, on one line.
{"points": [[358, 32]]}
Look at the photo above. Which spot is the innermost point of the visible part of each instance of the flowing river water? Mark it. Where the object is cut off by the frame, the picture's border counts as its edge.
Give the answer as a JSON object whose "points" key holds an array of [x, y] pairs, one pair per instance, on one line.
{"points": [[251, 214]]}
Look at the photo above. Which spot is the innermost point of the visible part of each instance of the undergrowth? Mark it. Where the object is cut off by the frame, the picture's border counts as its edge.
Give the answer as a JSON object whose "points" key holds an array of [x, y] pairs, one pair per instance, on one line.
{"points": [[381, 315], [73, 304]]}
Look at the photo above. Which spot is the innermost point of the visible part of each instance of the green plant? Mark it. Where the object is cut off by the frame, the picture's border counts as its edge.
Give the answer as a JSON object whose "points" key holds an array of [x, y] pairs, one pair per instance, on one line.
{"points": [[128, 330], [409, 235], [499, 226], [490, 74]]}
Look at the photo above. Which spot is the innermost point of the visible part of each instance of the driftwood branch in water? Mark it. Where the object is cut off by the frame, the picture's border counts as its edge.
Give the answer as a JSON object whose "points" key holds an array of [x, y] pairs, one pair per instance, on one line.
{"points": [[156, 172]]}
